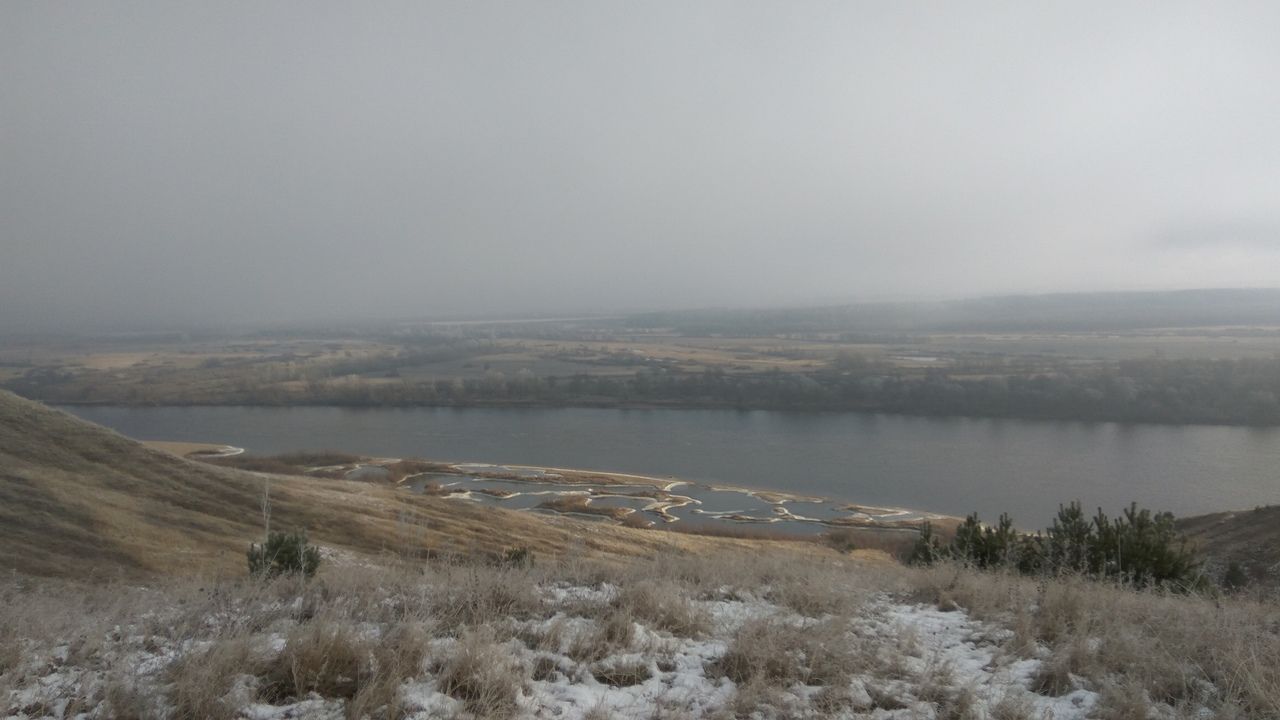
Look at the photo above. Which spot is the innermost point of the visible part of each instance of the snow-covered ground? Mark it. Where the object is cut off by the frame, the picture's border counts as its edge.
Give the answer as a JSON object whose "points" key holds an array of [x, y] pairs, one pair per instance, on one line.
{"points": [[901, 660]]}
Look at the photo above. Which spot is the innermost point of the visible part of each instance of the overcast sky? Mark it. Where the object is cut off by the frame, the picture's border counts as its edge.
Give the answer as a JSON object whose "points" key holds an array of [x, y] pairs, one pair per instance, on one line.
{"points": [[172, 161]]}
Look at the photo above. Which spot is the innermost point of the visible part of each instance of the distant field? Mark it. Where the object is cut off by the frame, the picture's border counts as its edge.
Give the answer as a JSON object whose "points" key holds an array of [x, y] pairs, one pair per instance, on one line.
{"points": [[1194, 343], [604, 362]]}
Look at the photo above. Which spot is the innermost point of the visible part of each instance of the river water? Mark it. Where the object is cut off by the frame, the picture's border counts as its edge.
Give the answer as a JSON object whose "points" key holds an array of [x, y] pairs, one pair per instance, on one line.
{"points": [[943, 465]]}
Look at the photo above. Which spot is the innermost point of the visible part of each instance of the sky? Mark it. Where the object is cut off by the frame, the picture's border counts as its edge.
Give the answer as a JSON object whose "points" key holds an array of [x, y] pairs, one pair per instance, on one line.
{"points": [[180, 162]]}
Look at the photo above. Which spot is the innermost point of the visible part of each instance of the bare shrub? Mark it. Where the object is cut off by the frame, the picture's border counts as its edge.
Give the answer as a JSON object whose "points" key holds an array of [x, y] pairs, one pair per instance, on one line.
{"points": [[201, 682], [326, 658], [815, 596], [663, 606], [544, 669], [760, 652], [397, 657], [961, 704], [833, 699], [1013, 706], [780, 654], [122, 699], [1054, 677], [621, 674], [884, 698], [1125, 701], [613, 633], [752, 696], [934, 684], [549, 638], [472, 594], [1061, 612], [483, 676], [10, 649]]}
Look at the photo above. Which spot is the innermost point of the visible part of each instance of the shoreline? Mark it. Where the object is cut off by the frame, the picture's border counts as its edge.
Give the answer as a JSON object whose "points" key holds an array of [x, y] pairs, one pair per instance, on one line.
{"points": [[653, 497], [194, 450]]}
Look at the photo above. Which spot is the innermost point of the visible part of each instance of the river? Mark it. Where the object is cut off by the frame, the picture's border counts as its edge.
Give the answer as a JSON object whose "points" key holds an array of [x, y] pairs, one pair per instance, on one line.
{"points": [[942, 465]]}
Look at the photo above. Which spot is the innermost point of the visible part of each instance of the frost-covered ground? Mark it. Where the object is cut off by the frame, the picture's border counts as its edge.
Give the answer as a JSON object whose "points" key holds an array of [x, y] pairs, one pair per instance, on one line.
{"points": [[921, 655], [918, 655], [512, 643]]}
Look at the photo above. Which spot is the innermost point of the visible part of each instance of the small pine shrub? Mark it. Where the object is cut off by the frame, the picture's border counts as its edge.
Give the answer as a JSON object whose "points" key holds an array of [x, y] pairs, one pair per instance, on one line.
{"points": [[928, 548], [283, 554], [984, 546], [1138, 547]]}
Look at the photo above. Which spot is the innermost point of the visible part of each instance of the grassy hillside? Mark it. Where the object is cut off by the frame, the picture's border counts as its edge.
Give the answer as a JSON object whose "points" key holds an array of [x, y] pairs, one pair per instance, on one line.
{"points": [[1247, 538], [79, 500]]}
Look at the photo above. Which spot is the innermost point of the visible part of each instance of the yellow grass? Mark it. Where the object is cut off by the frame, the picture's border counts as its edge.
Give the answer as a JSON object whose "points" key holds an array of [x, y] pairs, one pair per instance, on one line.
{"points": [[182, 449]]}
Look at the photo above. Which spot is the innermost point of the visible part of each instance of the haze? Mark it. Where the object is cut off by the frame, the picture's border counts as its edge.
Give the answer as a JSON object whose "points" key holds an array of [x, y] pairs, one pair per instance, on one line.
{"points": [[229, 162]]}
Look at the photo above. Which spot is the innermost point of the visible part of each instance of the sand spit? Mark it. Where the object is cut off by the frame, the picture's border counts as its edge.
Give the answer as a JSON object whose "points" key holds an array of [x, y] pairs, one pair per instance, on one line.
{"points": [[193, 450], [617, 497]]}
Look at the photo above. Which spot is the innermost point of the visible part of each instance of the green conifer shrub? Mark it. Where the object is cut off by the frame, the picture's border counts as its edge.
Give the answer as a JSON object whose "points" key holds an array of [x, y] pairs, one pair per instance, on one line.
{"points": [[1138, 547], [283, 554]]}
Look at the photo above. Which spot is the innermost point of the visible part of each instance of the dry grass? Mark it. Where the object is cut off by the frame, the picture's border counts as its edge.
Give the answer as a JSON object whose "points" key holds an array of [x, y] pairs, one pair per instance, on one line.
{"points": [[483, 676], [326, 658], [470, 594], [614, 633], [621, 674], [663, 606], [771, 653], [397, 657], [202, 682], [1013, 707], [1173, 649], [895, 543], [359, 635], [123, 700]]}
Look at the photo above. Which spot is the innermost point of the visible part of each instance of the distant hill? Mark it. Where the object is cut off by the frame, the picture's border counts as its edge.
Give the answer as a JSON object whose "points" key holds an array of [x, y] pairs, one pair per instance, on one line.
{"points": [[79, 500], [1064, 312]]}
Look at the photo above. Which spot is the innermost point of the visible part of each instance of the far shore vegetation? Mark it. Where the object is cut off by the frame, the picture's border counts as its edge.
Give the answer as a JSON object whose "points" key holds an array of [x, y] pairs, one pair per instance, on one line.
{"points": [[1205, 357]]}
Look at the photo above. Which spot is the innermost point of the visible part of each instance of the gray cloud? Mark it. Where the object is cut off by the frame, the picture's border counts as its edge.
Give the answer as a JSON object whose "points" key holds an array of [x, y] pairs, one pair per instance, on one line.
{"points": [[239, 161], [1221, 234]]}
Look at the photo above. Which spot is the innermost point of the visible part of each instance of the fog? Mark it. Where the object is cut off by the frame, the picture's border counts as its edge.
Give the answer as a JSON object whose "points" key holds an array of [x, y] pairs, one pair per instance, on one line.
{"points": [[232, 162]]}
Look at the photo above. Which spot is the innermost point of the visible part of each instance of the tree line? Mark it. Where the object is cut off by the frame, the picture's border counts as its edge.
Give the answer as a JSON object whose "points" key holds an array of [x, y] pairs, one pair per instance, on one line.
{"points": [[1245, 391]]}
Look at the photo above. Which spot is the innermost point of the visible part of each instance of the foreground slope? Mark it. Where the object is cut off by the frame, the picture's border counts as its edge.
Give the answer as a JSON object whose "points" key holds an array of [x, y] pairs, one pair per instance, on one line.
{"points": [[79, 500], [762, 635]]}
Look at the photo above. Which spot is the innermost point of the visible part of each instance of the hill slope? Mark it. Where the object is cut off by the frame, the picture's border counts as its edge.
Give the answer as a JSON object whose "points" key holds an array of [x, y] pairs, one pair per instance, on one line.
{"points": [[1250, 538], [79, 500]]}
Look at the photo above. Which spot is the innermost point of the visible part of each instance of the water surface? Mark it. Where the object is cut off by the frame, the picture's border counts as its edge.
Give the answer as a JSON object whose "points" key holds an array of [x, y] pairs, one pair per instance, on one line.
{"points": [[943, 465]]}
